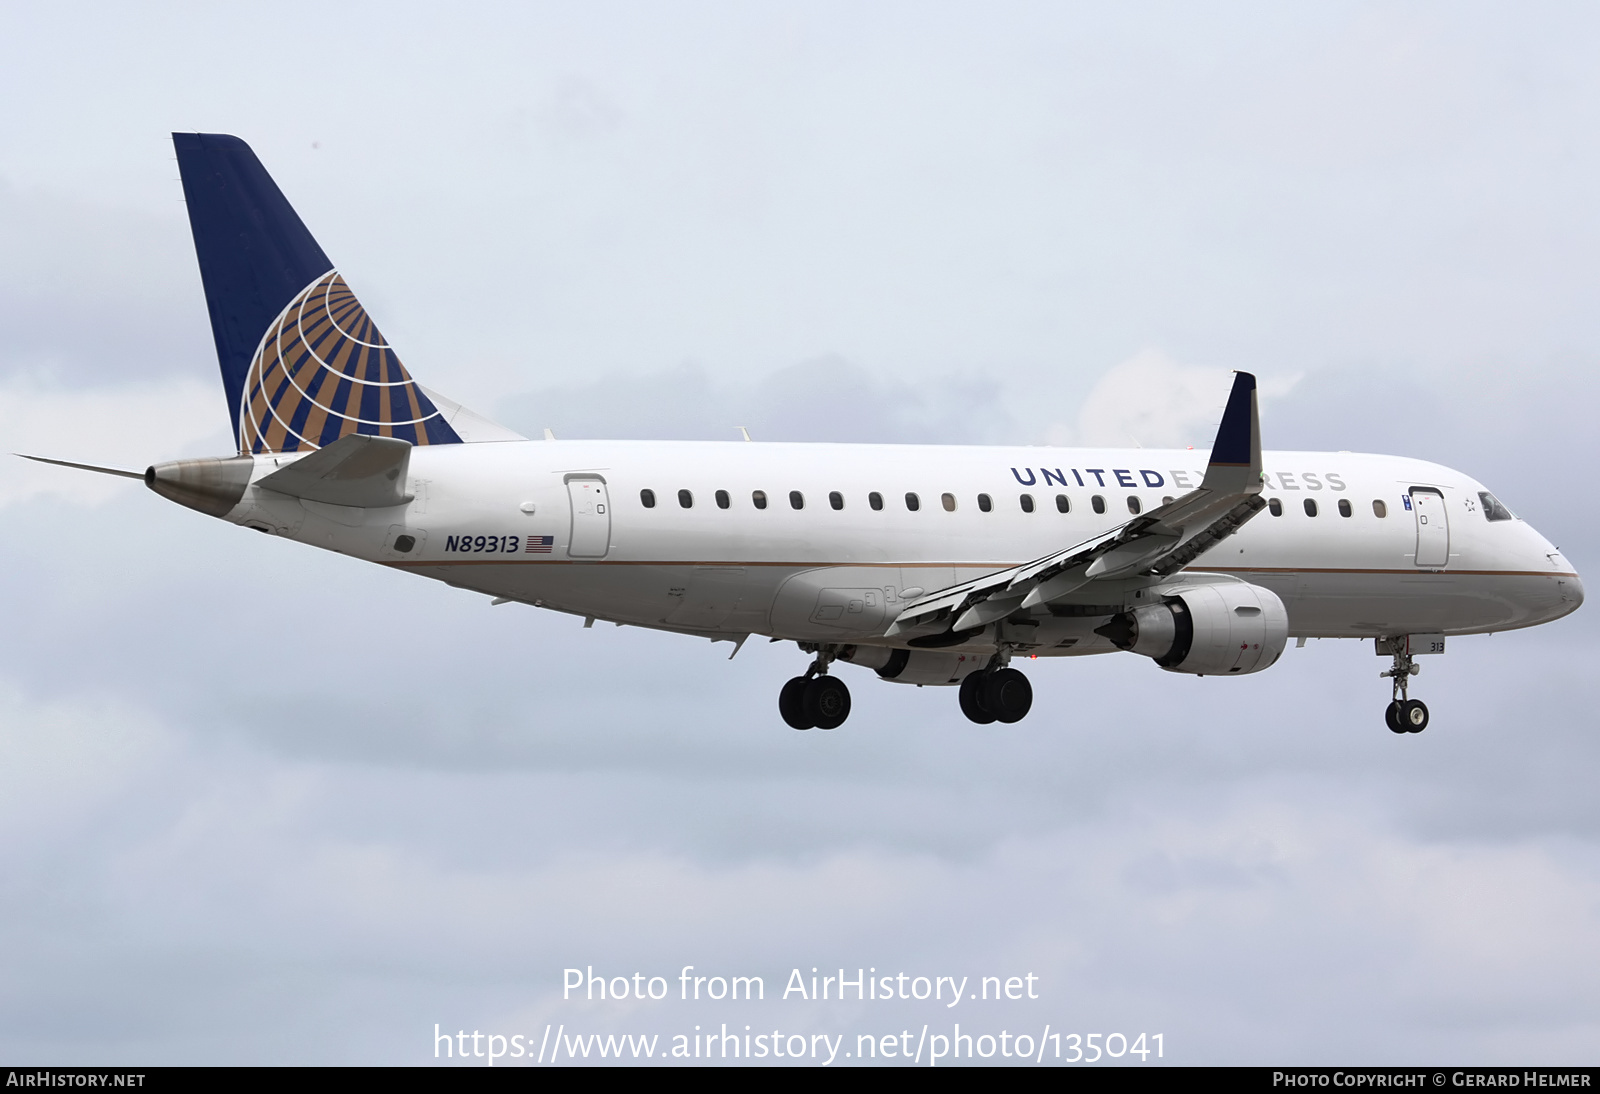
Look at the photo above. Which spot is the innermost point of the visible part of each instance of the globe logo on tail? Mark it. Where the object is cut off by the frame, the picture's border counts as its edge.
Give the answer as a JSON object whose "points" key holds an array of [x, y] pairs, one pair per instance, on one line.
{"points": [[323, 371]]}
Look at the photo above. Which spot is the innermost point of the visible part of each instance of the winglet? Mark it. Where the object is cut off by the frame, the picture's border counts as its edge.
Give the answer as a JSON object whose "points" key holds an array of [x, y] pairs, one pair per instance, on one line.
{"points": [[1235, 466]]}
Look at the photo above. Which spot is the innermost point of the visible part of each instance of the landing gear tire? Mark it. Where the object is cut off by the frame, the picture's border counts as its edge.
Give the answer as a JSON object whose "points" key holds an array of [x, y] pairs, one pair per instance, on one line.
{"points": [[1391, 718], [1405, 715], [825, 702], [1008, 695], [790, 705], [972, 705]]}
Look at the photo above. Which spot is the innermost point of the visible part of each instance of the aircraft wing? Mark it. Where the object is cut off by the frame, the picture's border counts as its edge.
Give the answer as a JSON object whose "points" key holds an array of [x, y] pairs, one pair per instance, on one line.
{"points": [[1160, 542]]}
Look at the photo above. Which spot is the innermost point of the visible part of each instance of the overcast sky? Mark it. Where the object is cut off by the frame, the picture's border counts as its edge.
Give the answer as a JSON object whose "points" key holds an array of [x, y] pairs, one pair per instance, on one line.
{"points": [[264, 804]]}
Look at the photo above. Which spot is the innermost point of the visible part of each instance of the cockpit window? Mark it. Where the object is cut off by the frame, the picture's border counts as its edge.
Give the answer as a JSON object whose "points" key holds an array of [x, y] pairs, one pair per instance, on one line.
{"points": [[1492, 509]]}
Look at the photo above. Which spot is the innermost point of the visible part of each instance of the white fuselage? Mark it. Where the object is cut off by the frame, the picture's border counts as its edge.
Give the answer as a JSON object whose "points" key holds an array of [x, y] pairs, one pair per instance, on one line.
{"points": [[818, 573]]}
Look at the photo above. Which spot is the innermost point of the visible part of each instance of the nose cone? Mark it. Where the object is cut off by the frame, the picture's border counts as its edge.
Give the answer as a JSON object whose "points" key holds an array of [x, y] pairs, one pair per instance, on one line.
{"points": [[1569, 586]]}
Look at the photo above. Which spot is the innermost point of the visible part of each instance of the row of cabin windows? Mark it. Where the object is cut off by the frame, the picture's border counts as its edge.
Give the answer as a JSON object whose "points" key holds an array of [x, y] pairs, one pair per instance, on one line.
{"points": [[1025, 502], [1275, 507], [797, 500]]}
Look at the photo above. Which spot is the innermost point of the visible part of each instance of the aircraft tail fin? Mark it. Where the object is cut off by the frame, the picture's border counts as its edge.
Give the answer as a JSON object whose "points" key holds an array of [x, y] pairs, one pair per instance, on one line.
{"points": [[302, 363]]}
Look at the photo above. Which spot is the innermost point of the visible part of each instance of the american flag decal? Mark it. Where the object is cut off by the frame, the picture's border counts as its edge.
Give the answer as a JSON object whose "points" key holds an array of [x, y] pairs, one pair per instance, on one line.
{"points": [[539, 545]]}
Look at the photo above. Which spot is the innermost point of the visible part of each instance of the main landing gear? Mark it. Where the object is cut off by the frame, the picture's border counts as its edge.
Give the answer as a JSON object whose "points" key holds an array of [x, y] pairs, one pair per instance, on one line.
{"points": [[1404, 715], [996, 695], [815, 700]]}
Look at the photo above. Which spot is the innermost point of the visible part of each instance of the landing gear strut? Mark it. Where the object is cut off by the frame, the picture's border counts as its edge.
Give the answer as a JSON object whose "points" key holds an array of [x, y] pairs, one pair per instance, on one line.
{"points": [[1404, 714], [815, 700], [996, 695]]}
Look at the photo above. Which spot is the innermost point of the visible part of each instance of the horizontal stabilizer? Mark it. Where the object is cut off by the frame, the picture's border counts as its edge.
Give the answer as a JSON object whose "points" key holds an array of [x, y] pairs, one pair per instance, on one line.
{"points": [[357, 469]]}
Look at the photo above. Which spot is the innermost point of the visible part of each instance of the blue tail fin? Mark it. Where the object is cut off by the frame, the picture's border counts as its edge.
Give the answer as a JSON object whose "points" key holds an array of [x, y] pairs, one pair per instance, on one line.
{"points": [[302, 363]]}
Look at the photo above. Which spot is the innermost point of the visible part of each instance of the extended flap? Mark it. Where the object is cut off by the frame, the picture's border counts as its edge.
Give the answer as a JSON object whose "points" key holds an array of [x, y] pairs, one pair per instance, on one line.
{"points": [[369, 472]]}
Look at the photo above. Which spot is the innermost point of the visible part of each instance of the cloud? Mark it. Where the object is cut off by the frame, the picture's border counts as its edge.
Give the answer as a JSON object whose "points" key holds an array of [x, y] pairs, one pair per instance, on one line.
{"points": [[1153, 401], [96, 292], [825, 399], [186, 885]]}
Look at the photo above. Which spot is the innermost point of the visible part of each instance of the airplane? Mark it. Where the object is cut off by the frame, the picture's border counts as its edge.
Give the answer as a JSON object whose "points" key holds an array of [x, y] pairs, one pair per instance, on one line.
{"points": [[924, 564]]}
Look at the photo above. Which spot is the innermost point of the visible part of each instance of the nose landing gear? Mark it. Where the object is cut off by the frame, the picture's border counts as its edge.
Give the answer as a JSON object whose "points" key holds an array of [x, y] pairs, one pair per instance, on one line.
{"points": [[815, 700], [1404, 714]]}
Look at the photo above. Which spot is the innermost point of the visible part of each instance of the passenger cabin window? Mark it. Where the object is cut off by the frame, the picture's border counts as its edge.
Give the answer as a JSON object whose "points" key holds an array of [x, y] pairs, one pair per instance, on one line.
{"points": [[1062, 504], [948, 501], [1027, 503], [723, 501], [1098, 503], [875, 500], [1492, 509], [836, 499], [647, 498], [1379, 509], [797, 500], [758, 498], [1275, 507], [685, 499], [1344, 507], [1133, 505], [1167, 500], [913, 502], [1310, 506], [985, 503]]}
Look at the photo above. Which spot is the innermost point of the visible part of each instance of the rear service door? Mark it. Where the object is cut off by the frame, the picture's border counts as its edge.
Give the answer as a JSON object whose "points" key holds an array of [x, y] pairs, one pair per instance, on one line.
{"points": [[591, 517], [1433, 527]]}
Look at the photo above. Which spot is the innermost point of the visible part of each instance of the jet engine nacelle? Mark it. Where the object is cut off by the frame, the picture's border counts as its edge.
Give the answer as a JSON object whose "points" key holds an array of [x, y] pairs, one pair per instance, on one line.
{"points": [[1208, 630]]}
